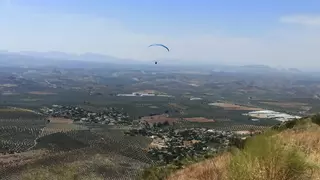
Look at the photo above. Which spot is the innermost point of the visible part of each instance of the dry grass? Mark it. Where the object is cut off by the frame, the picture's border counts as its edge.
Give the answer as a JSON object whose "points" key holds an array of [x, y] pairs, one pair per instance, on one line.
{"points": [[67, 172], [12, 160], [289, 155], [89, 167], [308, 142], [212, 169], [266, 157], [80, 170]]}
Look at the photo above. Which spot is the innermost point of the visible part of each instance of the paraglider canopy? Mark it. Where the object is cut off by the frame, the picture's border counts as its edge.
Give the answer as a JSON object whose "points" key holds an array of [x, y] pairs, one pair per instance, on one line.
{"points": [[161, 45]]}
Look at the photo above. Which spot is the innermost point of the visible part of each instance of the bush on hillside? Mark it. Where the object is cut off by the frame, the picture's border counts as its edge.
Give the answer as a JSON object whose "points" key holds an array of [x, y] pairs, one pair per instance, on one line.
{"points": [[265, 158], [316, 119], [297, 123], [162, 172], [157, 172]]}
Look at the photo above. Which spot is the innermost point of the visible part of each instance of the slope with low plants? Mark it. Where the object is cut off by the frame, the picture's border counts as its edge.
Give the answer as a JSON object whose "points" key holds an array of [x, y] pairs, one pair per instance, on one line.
{"points": [[289, 152]]}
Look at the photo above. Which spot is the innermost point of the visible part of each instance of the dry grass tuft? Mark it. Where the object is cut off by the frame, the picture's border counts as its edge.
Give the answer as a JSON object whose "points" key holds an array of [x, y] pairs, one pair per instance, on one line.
{"points": [[266, 157], [212, 169], [292, 154], [306, 141]]}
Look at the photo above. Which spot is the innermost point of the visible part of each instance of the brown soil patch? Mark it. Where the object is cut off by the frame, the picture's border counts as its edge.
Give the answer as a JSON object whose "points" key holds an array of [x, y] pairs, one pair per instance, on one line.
{"points": [[60, 120], [199, 119], [41, 93], [158, 118], [285, 104], [230, 106]]}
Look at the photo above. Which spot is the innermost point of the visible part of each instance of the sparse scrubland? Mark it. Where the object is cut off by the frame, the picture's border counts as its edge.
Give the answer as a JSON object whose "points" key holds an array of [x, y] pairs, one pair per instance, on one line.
{"points": [[290, 151]]}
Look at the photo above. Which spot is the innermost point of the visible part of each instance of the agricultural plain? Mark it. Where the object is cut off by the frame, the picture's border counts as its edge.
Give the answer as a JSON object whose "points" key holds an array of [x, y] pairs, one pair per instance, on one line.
{"points": [[73, 122]]}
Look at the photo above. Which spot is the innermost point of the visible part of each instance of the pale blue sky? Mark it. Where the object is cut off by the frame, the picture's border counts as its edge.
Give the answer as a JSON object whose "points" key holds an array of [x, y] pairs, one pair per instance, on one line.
{"points": [[226, 31]]}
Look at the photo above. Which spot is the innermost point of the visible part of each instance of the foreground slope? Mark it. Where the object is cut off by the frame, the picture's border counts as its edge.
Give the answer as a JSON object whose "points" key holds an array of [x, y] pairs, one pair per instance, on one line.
{"points": [[289, 151]]}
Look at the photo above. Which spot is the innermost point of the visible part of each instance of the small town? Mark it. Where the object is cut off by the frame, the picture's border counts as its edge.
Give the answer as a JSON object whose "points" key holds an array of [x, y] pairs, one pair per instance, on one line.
{"points": [[171, 145], [110, 116]]}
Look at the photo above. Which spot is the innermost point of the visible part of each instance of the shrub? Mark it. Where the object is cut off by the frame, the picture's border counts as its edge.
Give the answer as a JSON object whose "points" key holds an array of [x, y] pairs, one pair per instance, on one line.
{"points": [[157, 173], [265, 157], [316, 119]]}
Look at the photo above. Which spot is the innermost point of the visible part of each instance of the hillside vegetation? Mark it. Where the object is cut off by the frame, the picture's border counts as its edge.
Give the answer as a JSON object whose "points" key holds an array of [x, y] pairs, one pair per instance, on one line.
{"points": [[290, 151]]}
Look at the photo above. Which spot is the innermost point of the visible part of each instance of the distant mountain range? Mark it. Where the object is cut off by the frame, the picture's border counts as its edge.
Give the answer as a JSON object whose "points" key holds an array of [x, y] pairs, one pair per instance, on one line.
{"points": [[38, 59], [56, 58], [56, 55]]}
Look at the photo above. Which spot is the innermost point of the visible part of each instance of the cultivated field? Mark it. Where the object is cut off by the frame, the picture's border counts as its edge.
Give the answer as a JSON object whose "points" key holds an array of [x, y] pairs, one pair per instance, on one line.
{"points": [[148, 91], [41, 93], [230, 106], [30, 142], [285, 104], [58, 120], [159, 118], [60, 125], [14, 110], [199, 119]]}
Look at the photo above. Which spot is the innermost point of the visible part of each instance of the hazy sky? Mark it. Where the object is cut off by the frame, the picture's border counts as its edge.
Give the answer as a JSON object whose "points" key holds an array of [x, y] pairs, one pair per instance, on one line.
{"points": [[278, 33]]}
